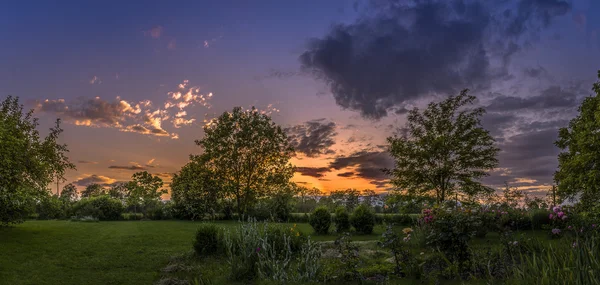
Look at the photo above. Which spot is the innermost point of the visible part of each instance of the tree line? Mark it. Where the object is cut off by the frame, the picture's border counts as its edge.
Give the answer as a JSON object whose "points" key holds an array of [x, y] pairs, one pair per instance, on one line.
{"points": [[442, 153]]}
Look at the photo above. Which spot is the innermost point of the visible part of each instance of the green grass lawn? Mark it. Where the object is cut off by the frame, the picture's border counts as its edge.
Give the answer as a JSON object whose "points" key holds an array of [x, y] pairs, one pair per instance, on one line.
{"points": [[124, 252]]}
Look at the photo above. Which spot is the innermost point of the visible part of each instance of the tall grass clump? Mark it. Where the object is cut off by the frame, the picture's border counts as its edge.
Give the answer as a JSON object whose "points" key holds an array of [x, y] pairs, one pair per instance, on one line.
{"points": [[270, 252], [576, 263]]}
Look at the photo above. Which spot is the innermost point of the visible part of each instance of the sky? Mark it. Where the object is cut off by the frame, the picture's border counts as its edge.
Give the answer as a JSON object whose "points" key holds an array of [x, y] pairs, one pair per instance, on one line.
{"points": [[135, 81]]}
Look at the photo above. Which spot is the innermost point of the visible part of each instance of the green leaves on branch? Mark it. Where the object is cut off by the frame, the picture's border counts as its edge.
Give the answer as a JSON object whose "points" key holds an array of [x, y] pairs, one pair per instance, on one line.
{"points": [[578, 172], [444, 150], [28, 163]]}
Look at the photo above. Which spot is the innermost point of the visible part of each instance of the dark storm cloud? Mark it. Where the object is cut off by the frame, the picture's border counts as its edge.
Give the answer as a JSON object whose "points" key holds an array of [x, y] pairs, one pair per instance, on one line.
{"points": [[346, 174], [94, 179], [496, 123], [312, 171], [87, 162], [408, 49], [313, 138], [369, 165], [381, 184], [130, 167], [89, 111], [549, 98], [535, 72]]}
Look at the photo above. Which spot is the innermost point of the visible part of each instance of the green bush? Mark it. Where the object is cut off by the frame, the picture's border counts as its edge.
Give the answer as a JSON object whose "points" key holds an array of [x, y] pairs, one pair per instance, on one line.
{"points": [[209, 240], [50, 207], [363, 220], [342, 220], [320, 220], [103, 208], [539, 218]]}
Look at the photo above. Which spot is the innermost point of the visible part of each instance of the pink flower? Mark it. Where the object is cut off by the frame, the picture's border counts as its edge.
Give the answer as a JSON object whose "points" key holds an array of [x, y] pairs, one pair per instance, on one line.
{"points": [[257, 249], [556, 209], [560, 214], [555, 231], [551, 216]]}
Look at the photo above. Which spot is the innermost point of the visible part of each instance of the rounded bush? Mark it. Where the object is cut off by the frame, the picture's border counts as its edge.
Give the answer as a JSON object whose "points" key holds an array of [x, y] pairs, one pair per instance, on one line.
{"points": [[363, 220], [342, 220], [320, 220], [103, 208], [209, 240]]}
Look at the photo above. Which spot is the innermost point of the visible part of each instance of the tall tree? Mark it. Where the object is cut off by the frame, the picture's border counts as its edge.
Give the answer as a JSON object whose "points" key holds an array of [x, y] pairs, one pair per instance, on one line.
{"points": [[578, 174], [143, 189], [28, 163], [119, 191], [93, 190], [195, 189], [69, 193], [249, 154], [444, 150]]}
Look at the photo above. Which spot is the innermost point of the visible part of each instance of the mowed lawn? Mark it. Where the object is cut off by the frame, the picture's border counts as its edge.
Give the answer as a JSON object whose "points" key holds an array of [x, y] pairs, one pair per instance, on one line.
{"points": [[123, 252]]}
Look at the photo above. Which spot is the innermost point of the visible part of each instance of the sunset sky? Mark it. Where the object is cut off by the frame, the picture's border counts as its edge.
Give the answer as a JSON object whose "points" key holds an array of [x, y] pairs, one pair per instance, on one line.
{"points": [[135, 81]]}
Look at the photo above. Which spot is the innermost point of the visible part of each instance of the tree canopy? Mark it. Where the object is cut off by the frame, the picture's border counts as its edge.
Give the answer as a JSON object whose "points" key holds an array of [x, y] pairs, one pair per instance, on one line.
{"points": [[29, 163], [248, 153], [444, 150], [195, 189], [144, 188], [578, 174]]}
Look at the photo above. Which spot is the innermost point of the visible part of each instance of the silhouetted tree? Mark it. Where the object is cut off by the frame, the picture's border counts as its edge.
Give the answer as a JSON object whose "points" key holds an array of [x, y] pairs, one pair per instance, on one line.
{"points": [[195, 189], [69, 193], [578, 174], [93, 190], [248, 153], [144, 188], [28, 163], [443, 150]]}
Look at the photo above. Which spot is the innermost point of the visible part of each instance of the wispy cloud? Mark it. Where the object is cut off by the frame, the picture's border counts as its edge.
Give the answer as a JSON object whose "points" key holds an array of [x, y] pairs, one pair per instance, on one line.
{"points": [[143, 117], [95, 80], [154, 32], [87, 162]]}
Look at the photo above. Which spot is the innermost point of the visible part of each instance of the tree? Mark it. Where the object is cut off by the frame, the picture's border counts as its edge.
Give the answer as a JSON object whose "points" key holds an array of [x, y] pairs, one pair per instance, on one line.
{"points": [[511, 196], [444, 150], [143, 189], [119, 191], [578, 174], [93, 190], [28, 162], [69, 193], [194, 189], [249, 154]]}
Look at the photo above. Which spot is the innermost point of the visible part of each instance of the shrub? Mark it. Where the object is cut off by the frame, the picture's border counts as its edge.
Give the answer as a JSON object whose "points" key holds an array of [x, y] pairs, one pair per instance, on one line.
{"points": [[320, 220], [209, 240], [342, 220], [103, 208], [271, 252], [363, 219], [50, 207], [539, 218]]}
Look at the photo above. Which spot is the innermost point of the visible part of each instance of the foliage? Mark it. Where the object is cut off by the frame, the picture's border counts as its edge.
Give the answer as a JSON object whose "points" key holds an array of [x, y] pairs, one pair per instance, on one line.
{"points": [[444, 149], [578, 174], [93, 190], [347, 198], [209, 240], [102, 207], [363, 219], [320, 220], [450, 230], [349, 257], [69, 193], [280, 202], [119, 191], [270, 252], [397, 245], [29, 163], [144, 189], [195, 190], [249, 154], [539, 218], [341, 220], [511, 196], [51, 207]]}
